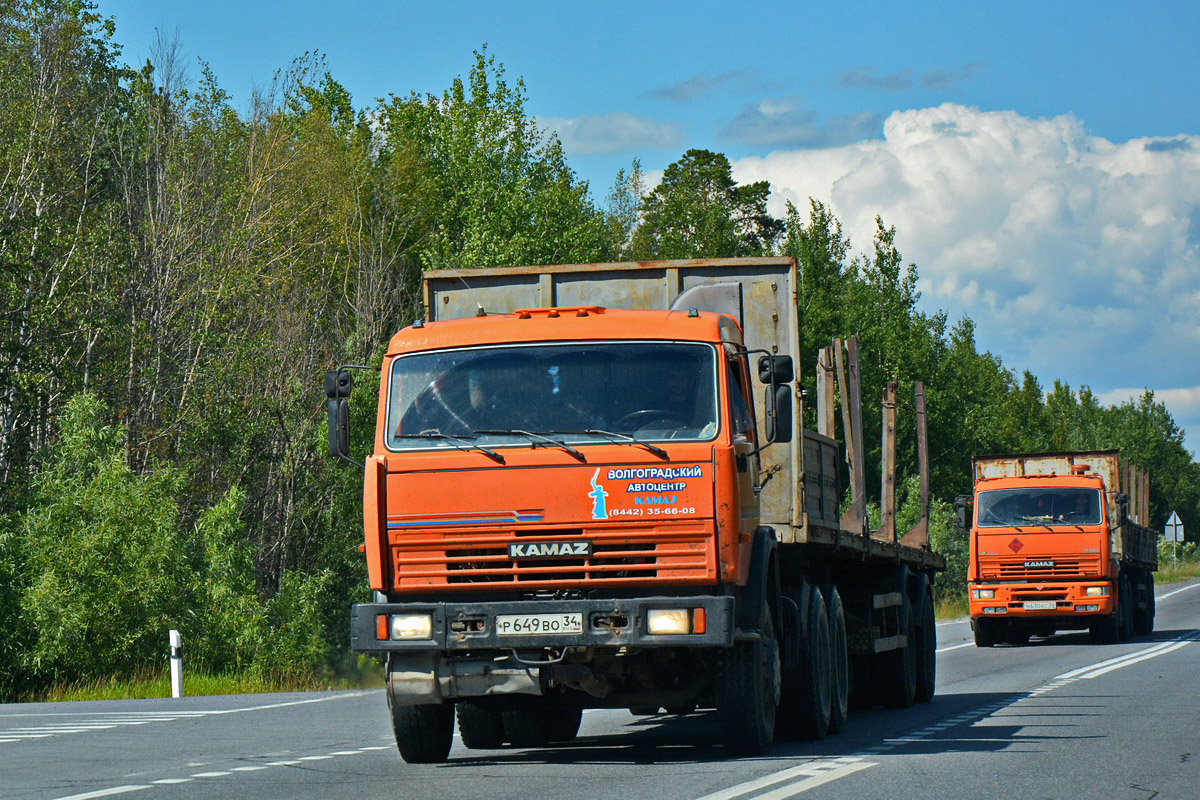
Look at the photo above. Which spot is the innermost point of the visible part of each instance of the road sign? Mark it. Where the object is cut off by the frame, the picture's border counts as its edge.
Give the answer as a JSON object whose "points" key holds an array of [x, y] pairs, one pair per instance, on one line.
{"points": [[1173, 530]]}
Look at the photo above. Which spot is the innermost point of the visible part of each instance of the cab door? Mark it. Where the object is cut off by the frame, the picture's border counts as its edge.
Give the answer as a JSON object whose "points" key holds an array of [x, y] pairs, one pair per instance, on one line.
{"points": [[745, 438]]}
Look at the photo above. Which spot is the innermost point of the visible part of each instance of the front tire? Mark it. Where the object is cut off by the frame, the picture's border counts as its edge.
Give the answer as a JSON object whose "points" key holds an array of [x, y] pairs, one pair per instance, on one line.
{"points": [[747, 692], [985, 632], [423, 733]]}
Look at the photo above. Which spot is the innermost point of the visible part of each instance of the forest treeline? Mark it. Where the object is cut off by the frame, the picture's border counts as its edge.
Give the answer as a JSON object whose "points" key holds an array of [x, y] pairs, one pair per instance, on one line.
{"points": [[176, 275]]}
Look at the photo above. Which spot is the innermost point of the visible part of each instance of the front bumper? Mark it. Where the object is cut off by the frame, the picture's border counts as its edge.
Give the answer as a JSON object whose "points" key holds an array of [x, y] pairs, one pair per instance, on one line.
{"points": [[1031, 600], [463, 626]]}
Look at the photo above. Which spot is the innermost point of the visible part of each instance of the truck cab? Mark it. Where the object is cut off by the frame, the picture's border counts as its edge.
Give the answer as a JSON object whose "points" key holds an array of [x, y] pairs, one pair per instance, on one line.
{"points": [[584, 492], [1052, 548]]}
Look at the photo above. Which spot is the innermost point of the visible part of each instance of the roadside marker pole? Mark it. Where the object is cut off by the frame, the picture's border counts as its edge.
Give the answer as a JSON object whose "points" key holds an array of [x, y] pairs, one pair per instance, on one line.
{"points": [[176, 664]]}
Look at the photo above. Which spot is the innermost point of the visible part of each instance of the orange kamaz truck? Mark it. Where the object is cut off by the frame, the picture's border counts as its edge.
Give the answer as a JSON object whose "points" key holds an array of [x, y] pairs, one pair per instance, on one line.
{"points": [[590, 488], [1060, 541]]}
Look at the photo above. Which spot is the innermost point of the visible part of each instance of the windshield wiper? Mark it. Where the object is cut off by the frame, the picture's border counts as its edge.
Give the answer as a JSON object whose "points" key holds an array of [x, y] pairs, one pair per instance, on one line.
{"points": [[539, 438], [458, 442], [621, 438]]}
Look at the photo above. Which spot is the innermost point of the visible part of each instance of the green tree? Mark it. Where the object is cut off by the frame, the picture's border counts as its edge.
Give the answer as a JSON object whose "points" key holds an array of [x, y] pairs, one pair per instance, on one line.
{"points": [[502, 191], [698, 210], [109, 565]]}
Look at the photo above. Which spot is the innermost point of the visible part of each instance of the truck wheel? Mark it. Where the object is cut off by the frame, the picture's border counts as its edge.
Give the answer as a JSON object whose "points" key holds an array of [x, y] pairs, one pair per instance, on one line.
{"points": [[1151, 607], [423, 733], [1125, 609], [1143, 618], [538, 727], [926, 652], [747, 692], [1017, 636], [898, 687], [839, 679], [807, 691], [1104, 630], [985, 632], [480, 728]]}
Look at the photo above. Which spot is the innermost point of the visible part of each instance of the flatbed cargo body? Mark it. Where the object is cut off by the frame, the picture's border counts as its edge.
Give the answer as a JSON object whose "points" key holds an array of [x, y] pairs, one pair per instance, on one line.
{"points": [[590, 488], [1059, 543]]}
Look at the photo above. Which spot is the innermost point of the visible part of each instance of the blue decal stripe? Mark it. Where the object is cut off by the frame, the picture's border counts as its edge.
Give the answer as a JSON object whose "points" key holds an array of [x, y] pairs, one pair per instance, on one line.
{"points": [[485, 518]]}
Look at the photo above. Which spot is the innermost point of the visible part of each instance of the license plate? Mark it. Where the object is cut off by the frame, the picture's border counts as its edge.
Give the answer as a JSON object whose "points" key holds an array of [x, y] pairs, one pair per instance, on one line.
{"points": [[524, 624], [1040, 605]]}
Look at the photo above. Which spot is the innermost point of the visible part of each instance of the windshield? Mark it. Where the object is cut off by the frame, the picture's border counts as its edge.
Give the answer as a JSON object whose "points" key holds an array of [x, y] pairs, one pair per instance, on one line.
{"points": [[1049, 506], [495, 395]]}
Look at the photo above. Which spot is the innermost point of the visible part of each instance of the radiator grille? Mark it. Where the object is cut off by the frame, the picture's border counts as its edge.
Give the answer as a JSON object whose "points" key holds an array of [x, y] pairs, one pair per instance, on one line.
{"points": [[680, 553], [1035, 569]]}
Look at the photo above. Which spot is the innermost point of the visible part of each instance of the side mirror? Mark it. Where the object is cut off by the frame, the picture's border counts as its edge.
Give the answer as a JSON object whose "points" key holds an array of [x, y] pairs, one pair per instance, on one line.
{"points": [[338, 385], [960, 510], [775, 369], [779, 414], [1122, 508]]}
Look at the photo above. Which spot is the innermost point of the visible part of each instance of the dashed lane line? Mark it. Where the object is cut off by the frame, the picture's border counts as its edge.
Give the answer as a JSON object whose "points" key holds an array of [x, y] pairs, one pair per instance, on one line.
{"points": [[88, 721], [116, 790]]}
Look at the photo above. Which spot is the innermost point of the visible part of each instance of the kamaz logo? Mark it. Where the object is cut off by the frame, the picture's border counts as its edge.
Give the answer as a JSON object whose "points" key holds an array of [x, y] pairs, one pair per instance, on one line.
{"points": [[549, 549], [1039, 564]]}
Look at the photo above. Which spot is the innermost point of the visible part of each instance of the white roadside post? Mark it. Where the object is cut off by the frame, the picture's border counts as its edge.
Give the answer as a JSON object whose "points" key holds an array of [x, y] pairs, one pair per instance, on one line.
{"points": [[176, 664], [1173, 533]]}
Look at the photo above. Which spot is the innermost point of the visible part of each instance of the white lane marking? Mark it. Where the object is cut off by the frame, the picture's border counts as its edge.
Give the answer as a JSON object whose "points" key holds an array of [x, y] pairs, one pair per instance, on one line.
{"points": [[103, 720], [219, 774], [954, 647], [1108, 665], [1177, 591], [812, 774], [103, 793]]}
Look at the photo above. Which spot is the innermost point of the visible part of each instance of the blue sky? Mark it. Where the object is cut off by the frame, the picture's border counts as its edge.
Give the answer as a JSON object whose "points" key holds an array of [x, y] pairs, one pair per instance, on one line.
{"points": [[1040, 161]]}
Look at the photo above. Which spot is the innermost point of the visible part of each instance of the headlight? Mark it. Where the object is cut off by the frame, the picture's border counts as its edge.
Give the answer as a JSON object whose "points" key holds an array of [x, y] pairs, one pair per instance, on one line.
{"points": [[983, 594], [669, 620], [412, 626], [1096, 591]]}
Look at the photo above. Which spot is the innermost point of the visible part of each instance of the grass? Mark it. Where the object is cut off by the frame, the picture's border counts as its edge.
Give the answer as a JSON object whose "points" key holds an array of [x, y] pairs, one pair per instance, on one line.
{"points": [[1185, 570], [952, 607], [197, 684]]}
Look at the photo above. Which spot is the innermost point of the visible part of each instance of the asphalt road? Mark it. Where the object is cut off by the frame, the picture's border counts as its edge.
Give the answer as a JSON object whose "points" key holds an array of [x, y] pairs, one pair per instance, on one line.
{"points": [[1058, 718]]}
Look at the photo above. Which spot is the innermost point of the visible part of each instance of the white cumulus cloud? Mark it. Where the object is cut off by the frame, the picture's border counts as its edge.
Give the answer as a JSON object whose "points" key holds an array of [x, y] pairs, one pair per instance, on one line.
{"points": [[1078, 257]]}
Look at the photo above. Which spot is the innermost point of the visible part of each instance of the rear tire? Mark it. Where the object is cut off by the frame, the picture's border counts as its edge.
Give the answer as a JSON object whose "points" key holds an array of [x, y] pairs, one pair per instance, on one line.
{"points": [[926, 652], [480, 728], [538, 727], [1104, 630], [747, 692], [839, 679], [805, 705], [1125, 610], [1017, 636], [898, 688], [1143, 618]]}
